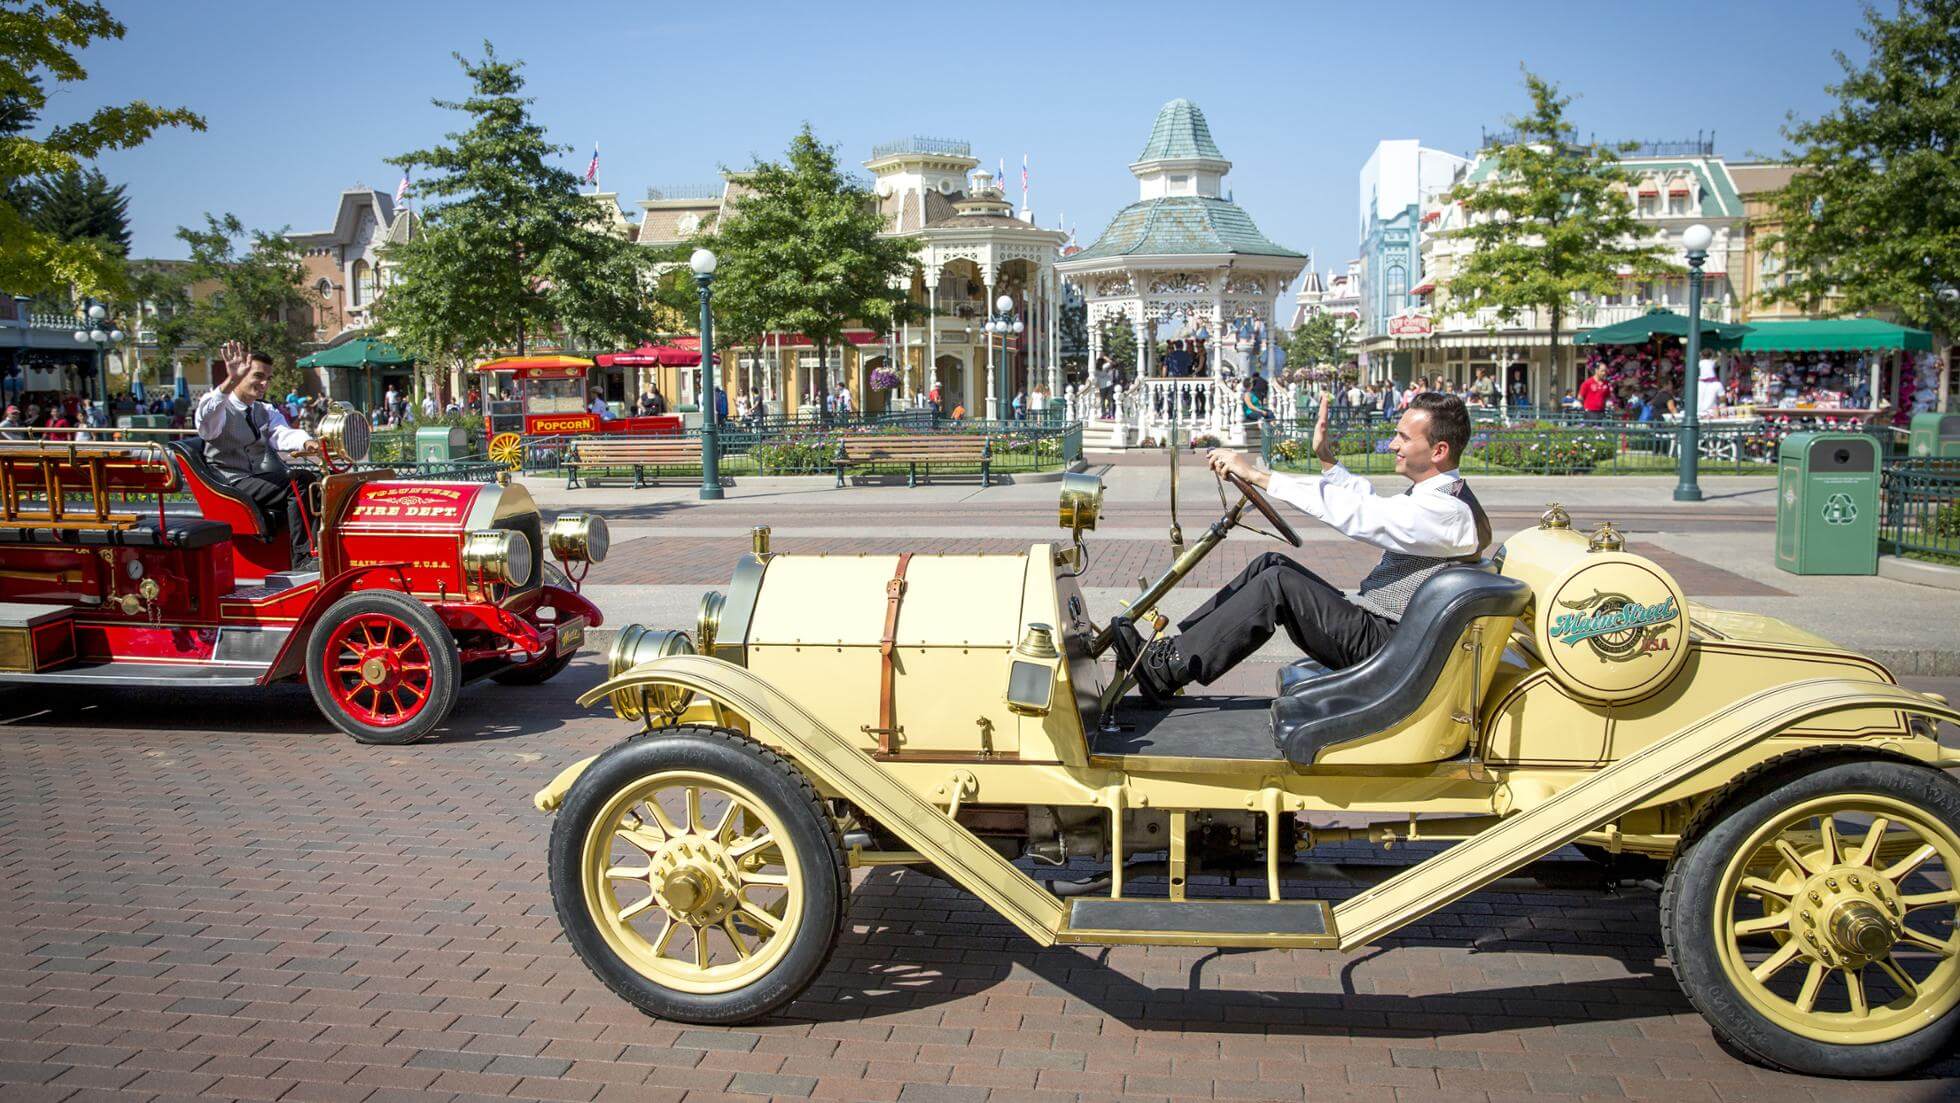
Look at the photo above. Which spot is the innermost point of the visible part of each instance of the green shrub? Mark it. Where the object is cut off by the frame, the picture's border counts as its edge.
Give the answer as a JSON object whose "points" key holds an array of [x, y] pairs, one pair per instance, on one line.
{"points": [[1945, 522], [809, 453]]}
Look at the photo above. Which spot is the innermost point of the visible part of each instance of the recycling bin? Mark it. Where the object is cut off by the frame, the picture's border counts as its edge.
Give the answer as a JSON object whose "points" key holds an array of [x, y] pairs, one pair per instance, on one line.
{"points": [[1827, 504], [1934, 436], [440, 443]]}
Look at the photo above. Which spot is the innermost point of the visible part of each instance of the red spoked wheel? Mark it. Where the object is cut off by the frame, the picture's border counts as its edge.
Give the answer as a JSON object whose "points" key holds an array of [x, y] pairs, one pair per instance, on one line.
{"points": [[382, 667]]}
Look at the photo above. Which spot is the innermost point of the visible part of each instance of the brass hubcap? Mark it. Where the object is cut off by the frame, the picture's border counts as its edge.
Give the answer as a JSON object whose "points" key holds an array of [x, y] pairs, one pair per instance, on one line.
{"points": [[1861, 930], [374, 672]]}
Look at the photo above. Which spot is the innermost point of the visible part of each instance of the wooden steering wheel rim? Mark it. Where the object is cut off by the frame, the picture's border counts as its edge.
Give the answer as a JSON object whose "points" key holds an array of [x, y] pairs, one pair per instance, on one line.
{"points": [[1264, 507]]}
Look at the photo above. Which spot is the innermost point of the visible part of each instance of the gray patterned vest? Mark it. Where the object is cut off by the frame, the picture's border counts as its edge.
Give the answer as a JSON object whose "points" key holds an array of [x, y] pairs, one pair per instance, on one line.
{"points": [[1395, 579], [241, 449]]}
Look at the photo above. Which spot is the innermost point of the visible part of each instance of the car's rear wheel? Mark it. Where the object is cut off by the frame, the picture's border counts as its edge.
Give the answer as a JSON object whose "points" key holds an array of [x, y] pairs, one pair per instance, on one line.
{"points": [[1813, 922], [698, 875], [382, 667]]}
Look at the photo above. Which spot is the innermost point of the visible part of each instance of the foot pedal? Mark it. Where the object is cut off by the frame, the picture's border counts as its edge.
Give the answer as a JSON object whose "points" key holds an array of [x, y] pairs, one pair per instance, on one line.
{"points": [[1158, 922]]}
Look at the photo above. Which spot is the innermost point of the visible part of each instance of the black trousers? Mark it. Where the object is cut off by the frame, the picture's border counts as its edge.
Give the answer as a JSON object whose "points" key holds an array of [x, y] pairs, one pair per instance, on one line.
{"points": [[1275, 592], [276, 499]]}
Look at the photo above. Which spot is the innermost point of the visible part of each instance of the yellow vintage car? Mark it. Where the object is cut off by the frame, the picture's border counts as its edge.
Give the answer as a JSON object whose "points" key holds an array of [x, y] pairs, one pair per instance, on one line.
{"points": [[956, 713]]}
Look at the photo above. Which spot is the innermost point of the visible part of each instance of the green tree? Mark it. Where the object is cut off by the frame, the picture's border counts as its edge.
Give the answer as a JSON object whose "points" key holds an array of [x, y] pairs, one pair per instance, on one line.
{"points": [[804, 251], [1119, 342], [39, 44], [1871, 219], [1553, 221], [1072, 332], [81, 206], [506, 249], [1321, 339], [248, 288]]}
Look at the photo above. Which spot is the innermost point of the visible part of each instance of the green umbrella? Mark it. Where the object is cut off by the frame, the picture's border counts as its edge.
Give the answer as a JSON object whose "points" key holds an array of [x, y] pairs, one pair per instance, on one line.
{"points": [[361, 352], [1661, 323]]}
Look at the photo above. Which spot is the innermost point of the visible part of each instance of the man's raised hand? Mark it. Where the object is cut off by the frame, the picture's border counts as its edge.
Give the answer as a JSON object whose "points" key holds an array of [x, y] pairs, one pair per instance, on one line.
{"points": [[1323, 449]]}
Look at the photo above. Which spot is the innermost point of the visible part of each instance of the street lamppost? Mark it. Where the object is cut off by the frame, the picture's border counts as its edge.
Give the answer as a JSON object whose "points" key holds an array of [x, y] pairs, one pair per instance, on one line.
{"points": [[703, 262], [1695, 239], [96, 315], [1000, 325]]}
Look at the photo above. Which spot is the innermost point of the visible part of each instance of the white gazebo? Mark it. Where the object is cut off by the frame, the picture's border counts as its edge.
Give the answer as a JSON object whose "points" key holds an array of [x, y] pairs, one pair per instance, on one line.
{"points": [[1183, 262]]}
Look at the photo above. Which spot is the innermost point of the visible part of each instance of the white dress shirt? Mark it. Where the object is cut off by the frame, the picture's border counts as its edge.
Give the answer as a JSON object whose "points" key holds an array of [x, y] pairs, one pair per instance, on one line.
{"points": [[215, 409], [1427, 520]]}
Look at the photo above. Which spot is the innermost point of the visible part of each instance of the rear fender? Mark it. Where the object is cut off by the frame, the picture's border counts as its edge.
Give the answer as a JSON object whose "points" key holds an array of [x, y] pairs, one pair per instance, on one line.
{"points": [[293, 654], [836, 764]]}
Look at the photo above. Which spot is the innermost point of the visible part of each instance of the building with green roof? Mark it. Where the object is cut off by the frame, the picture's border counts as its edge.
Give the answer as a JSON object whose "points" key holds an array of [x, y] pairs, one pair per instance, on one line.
{"points": [[1184, 262]]}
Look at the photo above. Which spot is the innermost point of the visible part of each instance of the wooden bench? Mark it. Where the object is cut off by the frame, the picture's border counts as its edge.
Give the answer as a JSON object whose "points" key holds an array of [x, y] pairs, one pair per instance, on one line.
{"points": [[916, 450], [639, 453]]}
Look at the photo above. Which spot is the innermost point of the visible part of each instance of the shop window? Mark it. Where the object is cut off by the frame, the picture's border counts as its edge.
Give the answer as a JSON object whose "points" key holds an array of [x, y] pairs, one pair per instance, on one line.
{"points": [[360, 289]]}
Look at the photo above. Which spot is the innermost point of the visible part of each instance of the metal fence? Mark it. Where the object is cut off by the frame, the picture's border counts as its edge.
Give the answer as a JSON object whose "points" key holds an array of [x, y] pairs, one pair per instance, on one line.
{"points": [[1544, 448], [807, 448], [1921, 508]]}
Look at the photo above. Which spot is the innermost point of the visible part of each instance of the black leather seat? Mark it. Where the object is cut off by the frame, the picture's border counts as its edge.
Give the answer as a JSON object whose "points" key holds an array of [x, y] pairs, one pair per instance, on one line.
{"points": [[1318, 709], [172, 532]]}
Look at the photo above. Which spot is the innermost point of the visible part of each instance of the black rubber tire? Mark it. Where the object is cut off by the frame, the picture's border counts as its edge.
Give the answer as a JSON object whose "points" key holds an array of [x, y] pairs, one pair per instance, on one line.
{"points": [[445, 674], [1687, 903], [814, 837], [534, 674]]}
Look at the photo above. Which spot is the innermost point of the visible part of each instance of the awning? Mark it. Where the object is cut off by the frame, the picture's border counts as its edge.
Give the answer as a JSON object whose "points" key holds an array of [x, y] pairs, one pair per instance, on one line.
{"points": [[1650, 191], [1423, 288], [1662, 323], [681, 352], [1834, 334], [1678, 190], [361, 352]]}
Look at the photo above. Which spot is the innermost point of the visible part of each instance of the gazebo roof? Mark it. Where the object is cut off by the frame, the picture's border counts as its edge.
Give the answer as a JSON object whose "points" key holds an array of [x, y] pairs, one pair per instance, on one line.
{"points": [[1182, 224], [1180, 133]]}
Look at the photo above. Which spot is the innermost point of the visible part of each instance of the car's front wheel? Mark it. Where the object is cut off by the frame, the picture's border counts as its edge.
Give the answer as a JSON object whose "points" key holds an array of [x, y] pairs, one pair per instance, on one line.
{"points": [[698, 875], [382, 667], [1813, 922]]}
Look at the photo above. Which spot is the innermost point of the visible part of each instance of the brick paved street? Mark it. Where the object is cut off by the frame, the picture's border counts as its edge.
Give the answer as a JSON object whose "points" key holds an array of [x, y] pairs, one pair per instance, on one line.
{"points": [[217, 896]]}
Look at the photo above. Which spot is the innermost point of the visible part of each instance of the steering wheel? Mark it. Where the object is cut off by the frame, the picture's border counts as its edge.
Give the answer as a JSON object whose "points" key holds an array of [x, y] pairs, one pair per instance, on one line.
{"points": [[1264, 507]]}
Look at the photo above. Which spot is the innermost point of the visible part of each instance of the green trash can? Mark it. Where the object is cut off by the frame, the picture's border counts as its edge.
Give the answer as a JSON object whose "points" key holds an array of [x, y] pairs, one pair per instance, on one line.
{"points": [[143, 421], [1934, 435], [440, 443], [1827, 504]]}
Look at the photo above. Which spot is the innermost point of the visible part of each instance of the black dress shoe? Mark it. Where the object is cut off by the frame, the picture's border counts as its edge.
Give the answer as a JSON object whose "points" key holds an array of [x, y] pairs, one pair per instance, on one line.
{"points": [[1158, 673]]}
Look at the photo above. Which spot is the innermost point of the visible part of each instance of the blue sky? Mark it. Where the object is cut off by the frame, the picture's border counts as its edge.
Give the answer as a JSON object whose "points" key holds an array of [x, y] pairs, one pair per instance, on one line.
{"points": [[304, 101]]}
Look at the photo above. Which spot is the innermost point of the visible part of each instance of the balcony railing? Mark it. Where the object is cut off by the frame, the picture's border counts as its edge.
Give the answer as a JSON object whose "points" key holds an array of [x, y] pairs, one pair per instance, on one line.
{"points": [[684, 191], [944, 147]]}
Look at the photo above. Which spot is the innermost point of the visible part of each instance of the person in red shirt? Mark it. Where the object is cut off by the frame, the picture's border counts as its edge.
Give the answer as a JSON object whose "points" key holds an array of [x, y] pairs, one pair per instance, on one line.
{"points": [[1593, 391]]}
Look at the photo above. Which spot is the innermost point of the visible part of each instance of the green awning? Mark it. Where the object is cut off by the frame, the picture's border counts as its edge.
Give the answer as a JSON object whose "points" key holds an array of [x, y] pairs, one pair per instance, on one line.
{"points": [[361, 352], [1661, 323], [1833, 334]]}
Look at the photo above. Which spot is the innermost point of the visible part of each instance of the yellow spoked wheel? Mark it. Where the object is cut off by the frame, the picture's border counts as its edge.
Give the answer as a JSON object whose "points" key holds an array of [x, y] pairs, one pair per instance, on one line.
{"points": [[1823, 915], [507, 449], [698, 875], [689, 879]]}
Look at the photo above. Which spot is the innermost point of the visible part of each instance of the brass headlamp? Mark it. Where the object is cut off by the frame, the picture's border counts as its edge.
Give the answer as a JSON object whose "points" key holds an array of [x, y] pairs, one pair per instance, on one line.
{"points": [[579, 538], [636, 644], [1082, 500], [498, 555], [344, 432]]}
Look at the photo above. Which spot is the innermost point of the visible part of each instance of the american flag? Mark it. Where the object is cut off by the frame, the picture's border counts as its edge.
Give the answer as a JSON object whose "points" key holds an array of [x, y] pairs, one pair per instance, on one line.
{"points": [[1024, 175], [401, 189], [1001, 178], [592, 170]]}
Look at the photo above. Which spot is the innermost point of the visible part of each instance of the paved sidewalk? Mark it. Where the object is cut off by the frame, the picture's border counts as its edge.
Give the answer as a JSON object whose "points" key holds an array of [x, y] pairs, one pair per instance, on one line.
{"points": [[212, 895]]}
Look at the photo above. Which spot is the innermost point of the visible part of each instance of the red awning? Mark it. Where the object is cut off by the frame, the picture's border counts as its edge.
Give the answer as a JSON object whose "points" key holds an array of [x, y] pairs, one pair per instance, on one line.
{"points": [[681, 352], [1677, 190], [1432, 216], [1423, 288], [1650, 191]]}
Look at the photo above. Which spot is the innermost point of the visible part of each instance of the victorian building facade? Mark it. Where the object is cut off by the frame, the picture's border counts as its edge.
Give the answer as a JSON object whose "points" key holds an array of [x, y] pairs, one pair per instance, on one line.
{"points": [[970, 249], [1677, 185]]}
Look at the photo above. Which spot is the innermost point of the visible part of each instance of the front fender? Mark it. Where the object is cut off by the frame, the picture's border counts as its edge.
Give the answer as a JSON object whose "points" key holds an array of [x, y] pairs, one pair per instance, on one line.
{"points": [[832, 760]]}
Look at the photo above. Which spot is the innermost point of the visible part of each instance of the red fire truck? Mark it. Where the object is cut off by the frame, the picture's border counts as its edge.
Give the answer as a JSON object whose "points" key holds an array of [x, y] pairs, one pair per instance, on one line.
{"points": [[109, 579], [546, 396]]}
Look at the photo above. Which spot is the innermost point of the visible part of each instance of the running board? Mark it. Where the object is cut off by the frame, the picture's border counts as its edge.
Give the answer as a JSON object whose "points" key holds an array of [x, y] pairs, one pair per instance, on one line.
{"points": [[144, 674], [1606, 795], [1095, 920], [841, 768]]}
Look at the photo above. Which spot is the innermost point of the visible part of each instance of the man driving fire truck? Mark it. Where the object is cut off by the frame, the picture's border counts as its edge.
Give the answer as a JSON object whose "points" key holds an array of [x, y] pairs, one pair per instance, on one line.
{"points": [[1434, 523], [243, 436]]}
